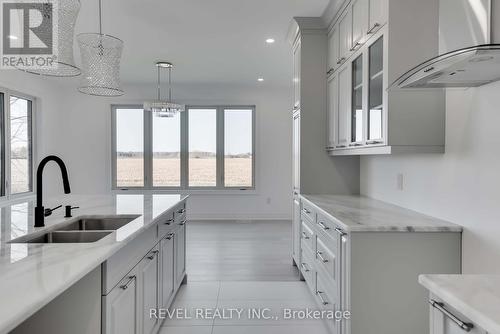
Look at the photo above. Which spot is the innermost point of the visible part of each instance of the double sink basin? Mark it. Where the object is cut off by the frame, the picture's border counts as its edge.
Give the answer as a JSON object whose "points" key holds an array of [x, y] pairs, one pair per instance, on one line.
{"points": [[82, 230]]}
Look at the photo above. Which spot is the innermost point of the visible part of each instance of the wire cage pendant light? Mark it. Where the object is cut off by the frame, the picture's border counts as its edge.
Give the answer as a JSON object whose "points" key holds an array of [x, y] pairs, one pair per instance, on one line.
{"points": [[159, 107], [101, 55], [65, 62]]}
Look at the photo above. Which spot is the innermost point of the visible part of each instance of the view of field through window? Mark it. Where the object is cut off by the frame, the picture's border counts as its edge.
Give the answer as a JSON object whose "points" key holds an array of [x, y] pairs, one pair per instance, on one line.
{"points": [[166, 148], [20, 145]]}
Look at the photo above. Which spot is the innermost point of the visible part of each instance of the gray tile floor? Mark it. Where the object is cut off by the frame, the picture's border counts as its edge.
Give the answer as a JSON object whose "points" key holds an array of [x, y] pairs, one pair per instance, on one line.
{"points": [[243, 266]]}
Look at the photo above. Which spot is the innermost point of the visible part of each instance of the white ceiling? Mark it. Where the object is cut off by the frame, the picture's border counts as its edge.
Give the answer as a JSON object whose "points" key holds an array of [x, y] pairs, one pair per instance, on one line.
{"points": [[209, 41]]}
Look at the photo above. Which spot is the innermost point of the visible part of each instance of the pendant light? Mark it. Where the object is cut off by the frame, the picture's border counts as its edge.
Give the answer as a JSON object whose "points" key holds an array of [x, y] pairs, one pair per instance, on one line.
{"points": [[159, 107], [101, 55], [67, 14]]}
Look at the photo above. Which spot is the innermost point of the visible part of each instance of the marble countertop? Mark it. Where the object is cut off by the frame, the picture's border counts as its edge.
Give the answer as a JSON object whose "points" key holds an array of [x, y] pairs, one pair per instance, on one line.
{"points": [[31, 275], [363, 214], [475, 296]]}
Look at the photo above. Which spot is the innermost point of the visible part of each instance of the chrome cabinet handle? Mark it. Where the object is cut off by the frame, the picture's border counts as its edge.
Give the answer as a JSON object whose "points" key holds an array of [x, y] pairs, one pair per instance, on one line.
{"points": [[320, 295], [182, 223], [168, 222], [126, 285], [355, 46], [330, 71], [306, 211], [340, 61], [304, 267], [181, 211], [320, 256], [169, 236], [373, 28], [466, 326], [304, 234], [341, 232], [153, 255], [323, 226]]}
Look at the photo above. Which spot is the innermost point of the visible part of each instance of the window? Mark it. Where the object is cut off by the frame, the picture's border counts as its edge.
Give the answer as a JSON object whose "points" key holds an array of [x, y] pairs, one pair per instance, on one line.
{"points": [[16, 143], [203, 148]]}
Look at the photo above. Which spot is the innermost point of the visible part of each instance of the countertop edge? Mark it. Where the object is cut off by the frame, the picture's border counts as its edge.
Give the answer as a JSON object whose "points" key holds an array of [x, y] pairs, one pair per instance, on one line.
{"points": [[461, 306]]}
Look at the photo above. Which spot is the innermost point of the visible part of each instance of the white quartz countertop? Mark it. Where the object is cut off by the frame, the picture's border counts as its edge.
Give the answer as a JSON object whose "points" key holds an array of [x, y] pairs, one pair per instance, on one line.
{"points": [[363, 214], [31, 275], [477, 297]]}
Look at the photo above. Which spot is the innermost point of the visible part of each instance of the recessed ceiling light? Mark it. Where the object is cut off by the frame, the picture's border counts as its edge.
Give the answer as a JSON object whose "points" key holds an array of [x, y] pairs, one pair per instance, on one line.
{"points": [[270, 41], [260, 79], [12, 37]]}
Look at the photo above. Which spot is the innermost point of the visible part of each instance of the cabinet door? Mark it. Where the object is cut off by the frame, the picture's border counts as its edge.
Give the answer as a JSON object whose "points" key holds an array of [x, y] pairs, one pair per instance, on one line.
{"points": [[296, 75], [296, 153], [345, 36], [333, 49], [333, 110], [444, 324], [296, 230], [359, 22], [344, 106], [376, 93], [121, 308], [377, 15], [149, 284], [356, 119], [167, 269], [180, 253]]}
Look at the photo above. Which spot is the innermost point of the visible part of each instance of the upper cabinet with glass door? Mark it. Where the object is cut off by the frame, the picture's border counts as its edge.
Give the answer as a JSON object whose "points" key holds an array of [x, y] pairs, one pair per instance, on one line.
{"points": [[373, 48]]}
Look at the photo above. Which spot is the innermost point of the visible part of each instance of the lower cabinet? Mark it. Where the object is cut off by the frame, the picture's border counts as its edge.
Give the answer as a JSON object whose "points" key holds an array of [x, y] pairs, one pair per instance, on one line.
{"points": [[167, 269], [120, 307], [132, 305]]}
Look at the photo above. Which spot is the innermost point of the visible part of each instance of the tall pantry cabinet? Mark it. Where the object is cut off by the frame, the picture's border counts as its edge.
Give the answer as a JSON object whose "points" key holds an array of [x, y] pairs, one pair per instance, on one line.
{"points": [[314, 171]]}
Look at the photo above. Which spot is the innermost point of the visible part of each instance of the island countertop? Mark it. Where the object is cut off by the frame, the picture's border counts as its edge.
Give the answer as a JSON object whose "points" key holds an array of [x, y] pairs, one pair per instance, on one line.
{"points": [[363, 214], [475, 296], [31, 275]]}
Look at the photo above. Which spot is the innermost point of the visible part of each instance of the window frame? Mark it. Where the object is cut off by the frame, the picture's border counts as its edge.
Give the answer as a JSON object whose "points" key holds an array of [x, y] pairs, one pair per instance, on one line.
{"points": [[5, 178], [184, 140]]}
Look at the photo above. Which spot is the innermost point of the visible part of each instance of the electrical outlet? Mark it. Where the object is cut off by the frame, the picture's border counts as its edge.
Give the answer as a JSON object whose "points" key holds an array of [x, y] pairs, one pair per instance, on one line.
{"points": [[400, 181]]}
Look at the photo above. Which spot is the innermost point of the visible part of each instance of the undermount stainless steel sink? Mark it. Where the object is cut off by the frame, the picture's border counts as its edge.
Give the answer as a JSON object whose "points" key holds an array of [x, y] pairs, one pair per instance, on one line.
{"points": [[63, 237], [97, 224]]}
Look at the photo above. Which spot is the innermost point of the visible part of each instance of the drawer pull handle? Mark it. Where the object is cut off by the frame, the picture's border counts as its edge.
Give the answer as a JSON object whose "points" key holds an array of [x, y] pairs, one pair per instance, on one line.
{"points": [[306, 211], [304, 234], [339, 231], [182, 223], [181, 211], [340, 61], [153, 254], [169, 236], [355, 46], [304, 267], [126, 285], [373, 28], [320, 295], [323, 226], [466, 326], [320, 256], [168, 222]]}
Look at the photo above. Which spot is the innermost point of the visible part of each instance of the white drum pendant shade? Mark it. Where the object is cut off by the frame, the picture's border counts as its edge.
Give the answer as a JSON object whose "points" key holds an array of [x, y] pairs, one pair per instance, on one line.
{"points": [[67, 14], [101, 55]]}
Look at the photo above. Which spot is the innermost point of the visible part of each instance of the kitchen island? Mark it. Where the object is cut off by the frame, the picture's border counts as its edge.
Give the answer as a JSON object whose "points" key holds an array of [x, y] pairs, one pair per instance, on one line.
{"points": [[34, 274]]}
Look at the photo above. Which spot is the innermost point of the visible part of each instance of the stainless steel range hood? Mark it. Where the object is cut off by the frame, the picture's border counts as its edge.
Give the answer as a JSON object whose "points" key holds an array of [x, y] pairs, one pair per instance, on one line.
{"points": [[470, 67]]}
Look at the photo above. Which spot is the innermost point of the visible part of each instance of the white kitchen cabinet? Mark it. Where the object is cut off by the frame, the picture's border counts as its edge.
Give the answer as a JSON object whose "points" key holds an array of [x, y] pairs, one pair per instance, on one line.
{"points": [[377, 15], [122, 306], [149, 285], [382, 120], [180, 253], [296, 230], [446, 320], [167, 254], [333, 49], [333, 111], [296, 74], [345, 36], [359, 23], [296, 153], [344, 106], [359, 272]]}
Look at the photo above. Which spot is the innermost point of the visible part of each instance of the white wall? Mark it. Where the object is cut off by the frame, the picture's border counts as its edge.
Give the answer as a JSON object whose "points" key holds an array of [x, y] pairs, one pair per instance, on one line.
{"points": [[463, 185], [78, 128]]}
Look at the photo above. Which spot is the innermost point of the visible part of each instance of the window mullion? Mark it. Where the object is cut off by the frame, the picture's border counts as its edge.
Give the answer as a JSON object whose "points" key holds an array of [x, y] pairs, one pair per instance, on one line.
{"points": [[148, 150], [185, 148], [220, 148]]}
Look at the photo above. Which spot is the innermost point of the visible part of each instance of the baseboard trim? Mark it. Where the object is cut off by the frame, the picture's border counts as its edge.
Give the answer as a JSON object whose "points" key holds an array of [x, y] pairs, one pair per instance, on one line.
{"points": [[242, 216]]}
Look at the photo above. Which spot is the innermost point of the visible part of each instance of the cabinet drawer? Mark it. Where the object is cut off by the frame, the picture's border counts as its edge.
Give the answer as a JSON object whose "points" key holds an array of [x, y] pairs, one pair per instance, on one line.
{"points": [[308, 212], [180, 214], [307, 268], [326, 257], [307, 237], [328, 227], [166, 224], [324, 297]]}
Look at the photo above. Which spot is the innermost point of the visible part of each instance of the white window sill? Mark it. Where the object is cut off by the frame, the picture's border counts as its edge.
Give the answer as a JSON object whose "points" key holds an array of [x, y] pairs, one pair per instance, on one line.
{"points": [[215, 192]]}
